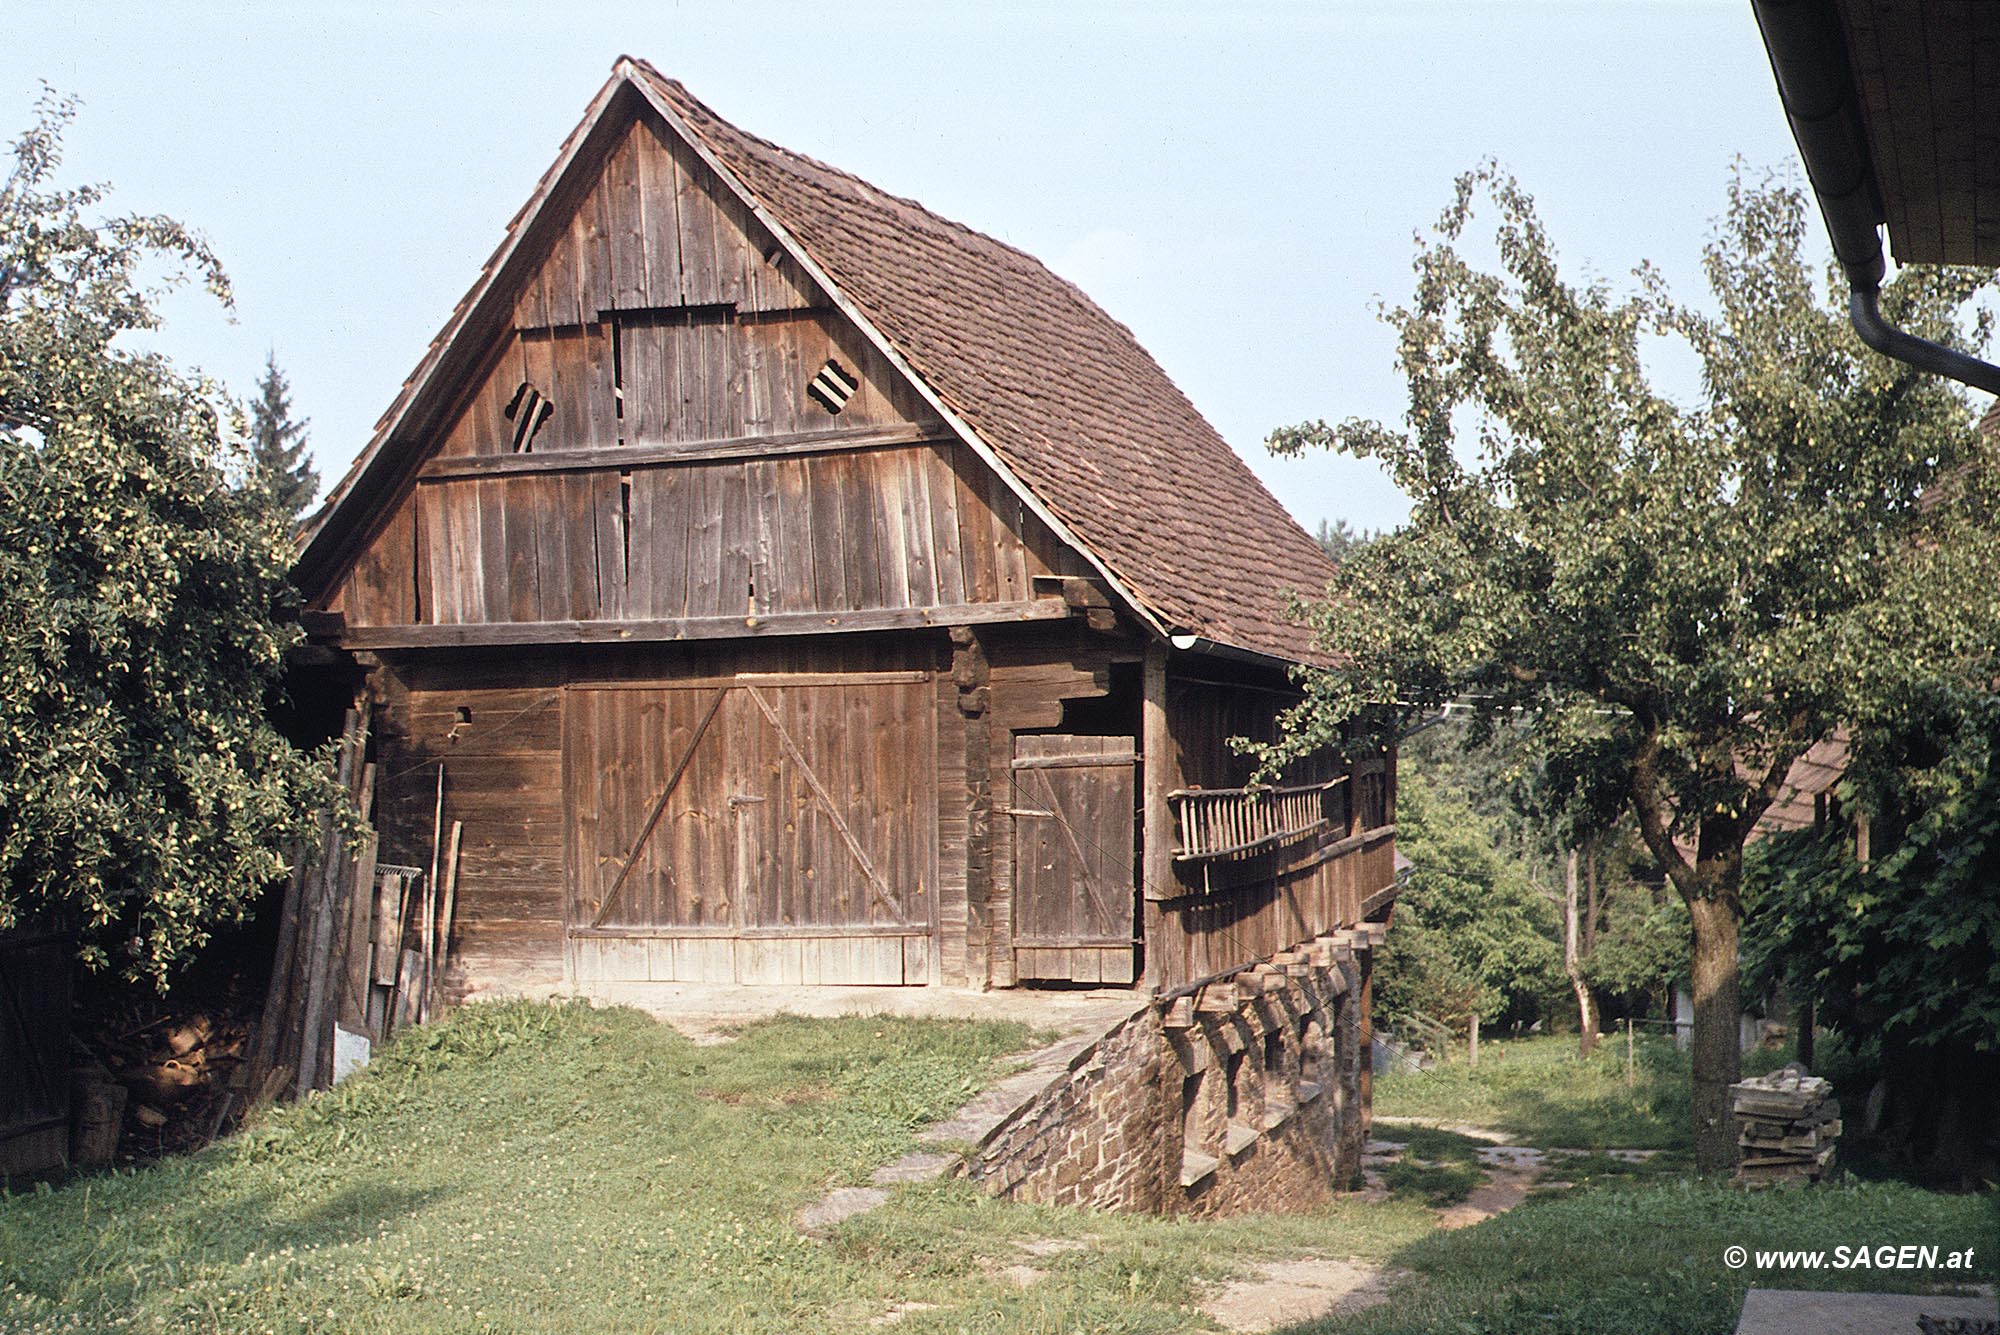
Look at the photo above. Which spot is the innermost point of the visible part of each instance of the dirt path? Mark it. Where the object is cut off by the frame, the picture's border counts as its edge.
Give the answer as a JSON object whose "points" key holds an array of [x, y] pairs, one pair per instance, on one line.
{"points": [[1512, 1171], [1284, 1293], [713, 1012]]}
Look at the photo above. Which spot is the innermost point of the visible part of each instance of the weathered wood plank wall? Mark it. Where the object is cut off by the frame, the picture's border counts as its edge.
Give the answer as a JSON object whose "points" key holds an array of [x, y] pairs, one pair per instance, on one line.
{"points": [[895, 526], [496, 729], [646, 443]]}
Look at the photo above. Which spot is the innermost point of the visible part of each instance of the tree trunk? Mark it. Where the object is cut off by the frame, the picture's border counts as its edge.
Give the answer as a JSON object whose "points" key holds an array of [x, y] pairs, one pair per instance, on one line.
{"points": [[1718, 1005], [1592, 905], [1586, 1004]]}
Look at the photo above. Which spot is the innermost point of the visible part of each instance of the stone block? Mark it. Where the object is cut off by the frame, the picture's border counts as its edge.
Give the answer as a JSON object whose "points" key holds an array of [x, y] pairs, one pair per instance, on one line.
{"points": [[1197, 1167]]}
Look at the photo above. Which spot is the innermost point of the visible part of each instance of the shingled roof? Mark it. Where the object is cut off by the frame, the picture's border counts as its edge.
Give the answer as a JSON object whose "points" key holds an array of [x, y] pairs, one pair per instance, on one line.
{"points": [[1037, 373]]}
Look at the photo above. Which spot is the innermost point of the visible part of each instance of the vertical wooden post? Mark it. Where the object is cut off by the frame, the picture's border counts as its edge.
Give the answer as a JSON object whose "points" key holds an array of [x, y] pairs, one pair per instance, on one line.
{"points": [[1156, 834], [280, 994], [1630, 1075], [351, 1009], [324, 905], [1472, 1041], [971, 673], [1365, 1039]]}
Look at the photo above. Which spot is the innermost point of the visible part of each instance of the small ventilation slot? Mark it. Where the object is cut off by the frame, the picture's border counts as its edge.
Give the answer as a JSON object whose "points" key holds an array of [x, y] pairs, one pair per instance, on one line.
{"points": [[833, 386], [529, 411]]}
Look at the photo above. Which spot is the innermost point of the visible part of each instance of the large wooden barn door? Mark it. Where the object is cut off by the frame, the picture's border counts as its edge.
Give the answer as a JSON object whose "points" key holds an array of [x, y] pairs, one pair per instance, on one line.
{"points": [[1073, 810], [754, 831]]}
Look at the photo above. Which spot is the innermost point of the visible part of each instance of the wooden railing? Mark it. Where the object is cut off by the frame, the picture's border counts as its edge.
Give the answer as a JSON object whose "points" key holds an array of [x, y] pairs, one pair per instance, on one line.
{"points": [[1238, 822]]}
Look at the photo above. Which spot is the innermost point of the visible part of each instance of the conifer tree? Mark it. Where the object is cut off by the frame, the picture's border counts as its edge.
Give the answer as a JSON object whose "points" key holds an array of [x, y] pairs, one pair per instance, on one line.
{"points": [[279, 465]]}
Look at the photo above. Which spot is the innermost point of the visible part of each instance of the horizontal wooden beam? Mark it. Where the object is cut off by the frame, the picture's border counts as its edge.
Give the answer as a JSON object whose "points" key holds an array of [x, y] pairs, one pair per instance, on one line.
{"points": [[1352, 843], [1374, 902], [1266, 867], [693, 452], [748, 933], [771, 679], [696, 628], [1100, 760]]}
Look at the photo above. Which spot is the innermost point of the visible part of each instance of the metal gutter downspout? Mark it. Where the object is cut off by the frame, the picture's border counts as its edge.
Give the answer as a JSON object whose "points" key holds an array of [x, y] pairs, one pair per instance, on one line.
{"points": [[1866, 314], [1809, 58], [1201, 644]]}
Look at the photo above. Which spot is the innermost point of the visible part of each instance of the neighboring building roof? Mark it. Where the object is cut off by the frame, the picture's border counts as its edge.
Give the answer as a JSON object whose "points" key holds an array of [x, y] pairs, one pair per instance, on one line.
{"points": [[1811, 777], [1891, 111], [1058, 391]]}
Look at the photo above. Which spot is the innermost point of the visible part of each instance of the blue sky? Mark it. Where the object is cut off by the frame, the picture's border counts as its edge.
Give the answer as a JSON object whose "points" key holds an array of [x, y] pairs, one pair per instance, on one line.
{"points": [[1238, 183]]}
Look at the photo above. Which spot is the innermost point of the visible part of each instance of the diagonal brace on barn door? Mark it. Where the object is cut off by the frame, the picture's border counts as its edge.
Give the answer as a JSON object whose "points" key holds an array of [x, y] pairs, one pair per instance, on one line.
{"points": [[1075, 845], [875, 881], [660, 806]]}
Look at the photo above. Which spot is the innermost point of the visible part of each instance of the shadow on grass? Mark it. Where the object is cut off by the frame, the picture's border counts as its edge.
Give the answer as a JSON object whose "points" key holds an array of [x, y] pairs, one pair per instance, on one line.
{"points": [[116, 1236]]}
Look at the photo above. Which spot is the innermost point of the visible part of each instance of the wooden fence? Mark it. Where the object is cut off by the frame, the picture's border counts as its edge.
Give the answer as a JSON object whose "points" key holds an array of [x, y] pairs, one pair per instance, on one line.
{"points": [[35, 980]]}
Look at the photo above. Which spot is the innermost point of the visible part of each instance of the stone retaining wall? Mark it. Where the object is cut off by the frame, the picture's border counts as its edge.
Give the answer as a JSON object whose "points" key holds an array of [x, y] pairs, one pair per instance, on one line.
{"points": [[1245, 1094]]}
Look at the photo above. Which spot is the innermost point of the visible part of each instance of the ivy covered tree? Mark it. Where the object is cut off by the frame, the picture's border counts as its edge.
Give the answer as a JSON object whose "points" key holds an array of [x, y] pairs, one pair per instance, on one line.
{"points": [[280, 468], [1901, 954], [143, 795], [1679, 598]]}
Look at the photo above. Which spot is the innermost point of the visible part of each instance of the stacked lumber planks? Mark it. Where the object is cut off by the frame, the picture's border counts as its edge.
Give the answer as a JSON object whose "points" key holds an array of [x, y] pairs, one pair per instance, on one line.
{"points": [[361, 945], [1787, 1123]]}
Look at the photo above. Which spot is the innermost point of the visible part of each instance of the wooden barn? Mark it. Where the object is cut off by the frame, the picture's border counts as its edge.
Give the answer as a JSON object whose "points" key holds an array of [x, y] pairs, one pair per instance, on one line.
{"points": [[785, 584]]}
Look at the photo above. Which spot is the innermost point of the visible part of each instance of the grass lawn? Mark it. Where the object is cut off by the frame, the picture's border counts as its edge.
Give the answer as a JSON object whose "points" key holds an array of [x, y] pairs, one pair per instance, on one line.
{"points": [[1649, 1258], [558, 1169], [1541, 1093]]}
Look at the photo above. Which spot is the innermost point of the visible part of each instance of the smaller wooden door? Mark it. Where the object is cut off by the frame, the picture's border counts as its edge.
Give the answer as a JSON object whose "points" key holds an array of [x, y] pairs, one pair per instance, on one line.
{"points": [[1074, 810]]}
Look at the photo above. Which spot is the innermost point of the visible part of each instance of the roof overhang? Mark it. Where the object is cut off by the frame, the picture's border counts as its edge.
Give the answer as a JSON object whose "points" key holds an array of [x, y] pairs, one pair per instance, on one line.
{"points": [[1895, 105]]}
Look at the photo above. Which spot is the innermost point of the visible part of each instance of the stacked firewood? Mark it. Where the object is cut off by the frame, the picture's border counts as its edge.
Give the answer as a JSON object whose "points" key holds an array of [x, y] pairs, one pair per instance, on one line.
{"points": [[1787, 1125], [154, 1087]]}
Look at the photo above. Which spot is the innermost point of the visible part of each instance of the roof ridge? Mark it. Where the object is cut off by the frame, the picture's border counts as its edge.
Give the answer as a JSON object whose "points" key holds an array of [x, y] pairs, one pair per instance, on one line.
{"points": [[1170, 512], [683, 93]]}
